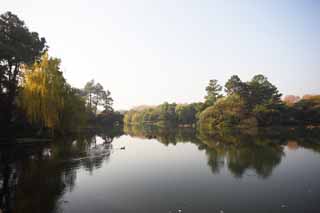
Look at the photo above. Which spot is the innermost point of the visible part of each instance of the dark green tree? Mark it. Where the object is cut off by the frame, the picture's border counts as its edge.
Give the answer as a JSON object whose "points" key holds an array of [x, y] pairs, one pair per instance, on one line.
{"points": [[18, 46], [262, 91], [235, 86]]}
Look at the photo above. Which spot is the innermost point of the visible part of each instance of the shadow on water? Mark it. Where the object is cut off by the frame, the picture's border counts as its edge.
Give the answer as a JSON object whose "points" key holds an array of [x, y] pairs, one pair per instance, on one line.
{"points": [[33, 178]]}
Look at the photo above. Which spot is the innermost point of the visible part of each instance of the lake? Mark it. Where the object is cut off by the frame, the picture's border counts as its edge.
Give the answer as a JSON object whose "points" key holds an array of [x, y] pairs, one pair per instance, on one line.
{"points": [[154, 170]]}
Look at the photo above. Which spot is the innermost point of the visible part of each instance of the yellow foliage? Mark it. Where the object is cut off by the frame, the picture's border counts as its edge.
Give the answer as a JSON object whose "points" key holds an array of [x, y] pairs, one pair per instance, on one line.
{"points": [[43, 91]]}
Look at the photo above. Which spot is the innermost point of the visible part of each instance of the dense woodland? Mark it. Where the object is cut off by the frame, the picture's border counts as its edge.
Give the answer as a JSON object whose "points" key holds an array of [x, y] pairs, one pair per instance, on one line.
{"points": [[35, 98]]}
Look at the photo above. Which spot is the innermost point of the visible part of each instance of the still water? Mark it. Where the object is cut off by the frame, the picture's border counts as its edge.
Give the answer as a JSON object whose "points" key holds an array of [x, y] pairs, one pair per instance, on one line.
{"points": [[163, 171]]}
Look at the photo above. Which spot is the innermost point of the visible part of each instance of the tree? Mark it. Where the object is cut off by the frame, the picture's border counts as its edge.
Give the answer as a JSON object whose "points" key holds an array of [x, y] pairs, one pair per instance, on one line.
{"points": [[235, 86], [186, 113], [228, 112], [167, 113], [307, 110], [262, 91], [48, 100], [213, 92], [74, 115], [43, 91], [96, 96], [18, 46], [88, 91], [107, 101]]}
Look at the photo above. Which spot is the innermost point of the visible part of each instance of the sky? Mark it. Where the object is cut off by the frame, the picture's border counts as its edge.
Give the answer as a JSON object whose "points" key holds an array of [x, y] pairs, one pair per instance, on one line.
{"points": [[147, 52]]}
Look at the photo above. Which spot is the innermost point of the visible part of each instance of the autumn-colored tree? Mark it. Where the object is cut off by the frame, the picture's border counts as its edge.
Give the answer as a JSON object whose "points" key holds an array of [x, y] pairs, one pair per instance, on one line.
{"points": [[48, 100], [42, 95], [290, 100]]}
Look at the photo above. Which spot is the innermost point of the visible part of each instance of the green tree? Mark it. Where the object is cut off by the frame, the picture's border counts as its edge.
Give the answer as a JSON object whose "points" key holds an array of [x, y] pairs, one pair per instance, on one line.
{"points": [[96, 96], [235, 86], [74, 115], [18, 46], [228, 112], [213, 92], [186, 113], [262, 91]]}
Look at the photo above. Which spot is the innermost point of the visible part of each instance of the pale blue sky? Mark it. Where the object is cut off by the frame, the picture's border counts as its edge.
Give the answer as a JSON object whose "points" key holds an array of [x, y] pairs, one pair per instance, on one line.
{"points": [[148, 52]]}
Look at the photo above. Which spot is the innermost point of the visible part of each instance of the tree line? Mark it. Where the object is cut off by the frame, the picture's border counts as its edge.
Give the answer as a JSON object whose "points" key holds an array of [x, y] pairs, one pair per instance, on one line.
{"points": [[256, 103], [35, 96], [164, 114]]}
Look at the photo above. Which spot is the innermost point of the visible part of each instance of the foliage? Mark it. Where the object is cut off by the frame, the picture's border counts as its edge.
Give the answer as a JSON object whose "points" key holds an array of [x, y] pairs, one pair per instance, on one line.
{"points": [[74, 115], [247, 104], [213, 92], [96, 96], [235, 86], [186, 114], [43, 91], [47, 99], [227, 112], [110, 119], [99, 106], [18, 46], [164, 115], [262, 92], [307, 110]]}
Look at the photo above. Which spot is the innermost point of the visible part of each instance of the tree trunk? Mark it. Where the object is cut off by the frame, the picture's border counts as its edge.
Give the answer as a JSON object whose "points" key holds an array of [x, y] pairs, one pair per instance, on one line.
{"points": [[9, 107]]}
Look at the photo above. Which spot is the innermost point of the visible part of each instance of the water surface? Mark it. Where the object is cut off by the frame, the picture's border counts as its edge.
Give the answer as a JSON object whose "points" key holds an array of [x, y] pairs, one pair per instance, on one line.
{"points": [[163, 171]]}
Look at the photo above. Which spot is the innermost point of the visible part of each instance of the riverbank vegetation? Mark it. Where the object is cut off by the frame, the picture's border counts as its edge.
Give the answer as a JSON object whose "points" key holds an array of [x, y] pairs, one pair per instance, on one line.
{"points": [[243, 105], [35, 98]]}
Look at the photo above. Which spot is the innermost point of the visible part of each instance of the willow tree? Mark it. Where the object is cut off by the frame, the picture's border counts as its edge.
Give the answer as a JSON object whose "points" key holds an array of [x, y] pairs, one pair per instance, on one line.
{"points": [[42, 95]]}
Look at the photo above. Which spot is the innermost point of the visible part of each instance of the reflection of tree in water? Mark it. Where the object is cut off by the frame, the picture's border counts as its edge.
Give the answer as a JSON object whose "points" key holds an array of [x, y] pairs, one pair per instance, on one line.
{"points": [[165, 136], [8, 179], [34, 178], [240, 152], [215, 160], [262, 159], [109, 134], [260, 152], [243, 153]]}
